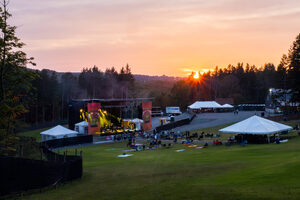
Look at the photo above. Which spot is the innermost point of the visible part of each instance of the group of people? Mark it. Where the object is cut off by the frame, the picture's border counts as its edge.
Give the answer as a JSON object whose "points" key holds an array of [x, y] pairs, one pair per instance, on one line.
{"points": [[201, 135], [236, 112], [172, 135], [157, 144]]}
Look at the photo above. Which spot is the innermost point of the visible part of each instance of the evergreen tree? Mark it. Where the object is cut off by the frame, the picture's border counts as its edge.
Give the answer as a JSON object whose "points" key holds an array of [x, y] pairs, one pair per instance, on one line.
{"points": [[15, 79], [294, 68]]}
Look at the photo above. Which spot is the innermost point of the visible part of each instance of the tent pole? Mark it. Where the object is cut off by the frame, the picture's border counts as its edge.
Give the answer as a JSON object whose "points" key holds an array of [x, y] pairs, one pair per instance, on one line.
{"points": [[268, 138]]}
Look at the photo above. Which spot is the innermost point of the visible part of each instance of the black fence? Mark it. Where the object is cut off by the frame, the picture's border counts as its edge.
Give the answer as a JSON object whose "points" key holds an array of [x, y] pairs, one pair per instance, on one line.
{"points": [[68, 141], [20, 174], [175, 124]]}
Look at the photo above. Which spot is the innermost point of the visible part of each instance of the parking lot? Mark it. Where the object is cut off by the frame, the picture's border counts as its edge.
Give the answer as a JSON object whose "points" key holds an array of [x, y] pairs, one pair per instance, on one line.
{"points": [[205, 120]]}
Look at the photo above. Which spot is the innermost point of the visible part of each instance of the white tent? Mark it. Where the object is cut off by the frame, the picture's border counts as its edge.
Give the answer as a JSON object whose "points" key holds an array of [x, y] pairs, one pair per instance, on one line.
{"points": [[82, 127], [138, 123], [204, 104], [227, 106], [256, 125], [57, 132]]}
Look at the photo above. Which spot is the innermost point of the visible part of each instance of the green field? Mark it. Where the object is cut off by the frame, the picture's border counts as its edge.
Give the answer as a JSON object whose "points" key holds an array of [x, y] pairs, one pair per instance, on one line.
{"points": [[267, 171], [218, 172], [35, 134]]}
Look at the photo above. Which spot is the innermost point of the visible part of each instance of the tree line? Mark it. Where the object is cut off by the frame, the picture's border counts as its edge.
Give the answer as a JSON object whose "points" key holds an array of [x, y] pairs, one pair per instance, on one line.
{"points": [[243, 82]]}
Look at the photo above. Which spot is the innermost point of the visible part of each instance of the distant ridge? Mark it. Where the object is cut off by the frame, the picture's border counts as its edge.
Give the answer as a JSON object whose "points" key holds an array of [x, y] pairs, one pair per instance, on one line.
{"points": [[145, 78], [138, 77]]}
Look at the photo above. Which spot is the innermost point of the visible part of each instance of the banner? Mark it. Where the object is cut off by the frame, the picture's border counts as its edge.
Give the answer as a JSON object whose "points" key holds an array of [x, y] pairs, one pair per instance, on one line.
{"points": [[147, 107], [93, 118]]}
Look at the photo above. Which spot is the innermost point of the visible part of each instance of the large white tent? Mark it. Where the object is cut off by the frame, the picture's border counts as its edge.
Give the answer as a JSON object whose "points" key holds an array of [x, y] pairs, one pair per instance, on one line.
{"points": [[205, 104], [57, 132], [256, 125]]}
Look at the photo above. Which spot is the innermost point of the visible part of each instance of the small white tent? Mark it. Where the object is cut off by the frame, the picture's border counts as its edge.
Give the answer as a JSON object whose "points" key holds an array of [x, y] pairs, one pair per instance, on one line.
{"points": [[57, 132], [138, 123], [82, 127], [205, 104], [256, 125], [227, 106]]}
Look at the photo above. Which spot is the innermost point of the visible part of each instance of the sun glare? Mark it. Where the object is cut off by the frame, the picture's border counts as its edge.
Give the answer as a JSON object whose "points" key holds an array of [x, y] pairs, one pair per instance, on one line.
{"points": [[196, 76]]}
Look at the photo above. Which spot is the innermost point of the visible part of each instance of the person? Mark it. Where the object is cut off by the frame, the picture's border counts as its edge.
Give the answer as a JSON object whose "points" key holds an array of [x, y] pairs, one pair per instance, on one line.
{"points": [[244, 143], [277, 140], [159, 143], [175, 138], [205, 145], [129, 143]]}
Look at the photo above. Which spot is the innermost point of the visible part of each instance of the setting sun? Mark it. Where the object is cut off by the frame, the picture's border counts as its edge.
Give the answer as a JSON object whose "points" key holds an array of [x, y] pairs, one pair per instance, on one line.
{"points": [[196, 76]]}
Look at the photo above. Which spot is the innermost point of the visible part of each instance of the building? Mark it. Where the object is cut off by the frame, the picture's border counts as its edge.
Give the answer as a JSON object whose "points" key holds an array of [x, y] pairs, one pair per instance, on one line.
{"points": [[280, 99]]}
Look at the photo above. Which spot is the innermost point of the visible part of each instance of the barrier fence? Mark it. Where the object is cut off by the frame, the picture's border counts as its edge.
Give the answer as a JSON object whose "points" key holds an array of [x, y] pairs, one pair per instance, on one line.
{"points": [[68, 141], [175, 124], [21, 174]]}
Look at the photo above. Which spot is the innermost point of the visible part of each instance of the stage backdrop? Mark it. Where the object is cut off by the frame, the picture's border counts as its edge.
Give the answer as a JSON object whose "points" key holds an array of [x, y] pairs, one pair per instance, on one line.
{"points": [[147, 106], [93, 118]]}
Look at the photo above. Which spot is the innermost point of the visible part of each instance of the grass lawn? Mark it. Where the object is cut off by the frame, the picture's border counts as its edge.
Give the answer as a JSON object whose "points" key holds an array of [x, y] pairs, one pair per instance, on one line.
{"points": [[214, 130], [35, 134], [218, 172]]}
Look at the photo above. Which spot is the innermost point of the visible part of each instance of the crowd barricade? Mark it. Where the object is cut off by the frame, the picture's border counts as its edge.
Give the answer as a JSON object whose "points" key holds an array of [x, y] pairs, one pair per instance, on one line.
{"points": [[20, 174], [70, 141], [175, 124]]}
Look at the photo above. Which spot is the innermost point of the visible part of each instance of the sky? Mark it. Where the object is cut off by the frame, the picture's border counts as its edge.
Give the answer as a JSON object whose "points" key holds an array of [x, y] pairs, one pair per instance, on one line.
{"points": [[155, 37]]}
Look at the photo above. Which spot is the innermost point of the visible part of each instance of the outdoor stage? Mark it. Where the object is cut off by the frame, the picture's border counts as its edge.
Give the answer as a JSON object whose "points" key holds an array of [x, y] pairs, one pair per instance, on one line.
{"points": [[106, 116]]}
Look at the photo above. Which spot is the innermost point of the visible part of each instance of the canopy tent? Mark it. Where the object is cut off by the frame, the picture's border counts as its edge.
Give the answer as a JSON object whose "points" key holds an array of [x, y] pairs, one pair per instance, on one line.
{"points": [[227, 106], [256, 125], [205, 104], [57, 132], [82, 127], [138, 123], [83, 123]]}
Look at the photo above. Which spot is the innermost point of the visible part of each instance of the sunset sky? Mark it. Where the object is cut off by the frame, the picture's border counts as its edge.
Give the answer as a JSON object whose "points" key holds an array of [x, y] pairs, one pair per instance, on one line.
{"points": [[155, 37]]}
